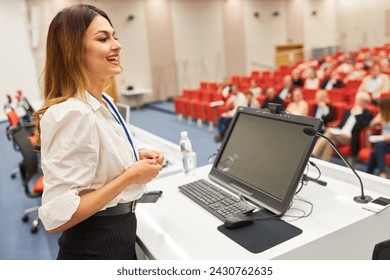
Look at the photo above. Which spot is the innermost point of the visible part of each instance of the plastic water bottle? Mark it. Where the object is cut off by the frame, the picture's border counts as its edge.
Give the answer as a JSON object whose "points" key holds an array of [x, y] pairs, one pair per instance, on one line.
{"points": [[188, 155]]}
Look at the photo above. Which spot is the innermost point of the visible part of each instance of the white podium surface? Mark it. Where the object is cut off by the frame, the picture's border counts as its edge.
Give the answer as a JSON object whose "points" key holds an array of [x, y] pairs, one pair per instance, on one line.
{"points": [[175, 227]]}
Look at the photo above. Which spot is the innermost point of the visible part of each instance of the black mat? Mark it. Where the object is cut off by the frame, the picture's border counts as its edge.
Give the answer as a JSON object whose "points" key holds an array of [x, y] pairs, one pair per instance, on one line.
{"points": [[261, 234]]}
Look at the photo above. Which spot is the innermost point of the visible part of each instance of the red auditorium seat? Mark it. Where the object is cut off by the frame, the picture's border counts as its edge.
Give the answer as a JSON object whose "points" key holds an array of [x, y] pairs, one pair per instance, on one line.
{"points": [[336, 95], [353, 84], [206, 96], [309, 94], [179, 102], [214, 109], [385, 95], [189, 105]]}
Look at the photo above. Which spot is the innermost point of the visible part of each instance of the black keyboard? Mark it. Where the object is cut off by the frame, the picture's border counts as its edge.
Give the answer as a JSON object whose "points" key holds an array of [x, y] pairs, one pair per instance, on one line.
{"points": [[215, 200]]}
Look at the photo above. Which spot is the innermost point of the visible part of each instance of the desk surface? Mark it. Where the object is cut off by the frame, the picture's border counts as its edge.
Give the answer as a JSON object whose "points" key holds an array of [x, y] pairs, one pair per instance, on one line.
{"points": [[338, 228], [139, 91]]}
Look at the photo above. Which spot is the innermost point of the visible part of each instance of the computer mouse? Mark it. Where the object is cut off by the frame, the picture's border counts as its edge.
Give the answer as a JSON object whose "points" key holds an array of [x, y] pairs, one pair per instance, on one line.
{"points": [[239, 220]]}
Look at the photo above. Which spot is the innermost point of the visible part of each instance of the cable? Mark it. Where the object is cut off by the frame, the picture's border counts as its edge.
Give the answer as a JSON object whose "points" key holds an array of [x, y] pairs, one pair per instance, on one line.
{"points": [[305, 215], [211, 157]]}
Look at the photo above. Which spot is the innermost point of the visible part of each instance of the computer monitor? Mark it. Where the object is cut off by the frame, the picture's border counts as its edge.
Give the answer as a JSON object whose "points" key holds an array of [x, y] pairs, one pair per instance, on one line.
{"points": [[264, 155], [124, 110]]}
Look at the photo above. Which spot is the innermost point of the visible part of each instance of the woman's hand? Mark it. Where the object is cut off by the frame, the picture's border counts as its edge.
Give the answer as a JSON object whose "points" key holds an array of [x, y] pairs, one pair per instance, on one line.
{"points": [[152, 154], [143, 171]]}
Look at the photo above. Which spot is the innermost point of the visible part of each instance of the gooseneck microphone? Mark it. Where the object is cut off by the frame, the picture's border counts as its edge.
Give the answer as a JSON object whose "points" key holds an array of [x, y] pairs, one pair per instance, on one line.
{"points": [[360, 198]]}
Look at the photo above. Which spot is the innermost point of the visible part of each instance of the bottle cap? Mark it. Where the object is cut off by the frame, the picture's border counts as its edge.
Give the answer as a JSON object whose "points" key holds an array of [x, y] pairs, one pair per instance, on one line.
{"points": [[183, 134]]}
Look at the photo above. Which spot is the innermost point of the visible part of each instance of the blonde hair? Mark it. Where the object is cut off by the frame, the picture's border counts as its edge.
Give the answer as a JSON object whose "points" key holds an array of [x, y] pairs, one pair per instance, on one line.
{"points": [[65, 68], [384, 105], [364, 95]]}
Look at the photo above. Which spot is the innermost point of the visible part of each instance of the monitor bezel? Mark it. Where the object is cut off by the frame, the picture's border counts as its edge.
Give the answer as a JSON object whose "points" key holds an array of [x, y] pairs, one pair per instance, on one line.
{"points": [[254, 195]]}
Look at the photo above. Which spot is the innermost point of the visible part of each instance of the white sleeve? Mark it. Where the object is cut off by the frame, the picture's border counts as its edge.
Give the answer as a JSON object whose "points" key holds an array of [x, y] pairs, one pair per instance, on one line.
{"points": [[70, 157]]}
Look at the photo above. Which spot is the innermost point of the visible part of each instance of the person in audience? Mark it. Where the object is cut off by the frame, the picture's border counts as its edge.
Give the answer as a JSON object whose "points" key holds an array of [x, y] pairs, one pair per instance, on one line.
{"points": [[332, 82], [298, 106], [323, 109], [93, 173], [271, 97], [357, 73], [326, 66], [236, 99], [296, 78], [254, 88], [375, 83], [347, 132], [377, 158], [287, 89], [252, 102], [225, 87], [346, 62], [312, 81]]}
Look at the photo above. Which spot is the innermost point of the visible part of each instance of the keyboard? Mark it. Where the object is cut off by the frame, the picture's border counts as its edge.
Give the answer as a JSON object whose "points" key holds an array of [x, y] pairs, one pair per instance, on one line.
{"points": [[215, 200]]}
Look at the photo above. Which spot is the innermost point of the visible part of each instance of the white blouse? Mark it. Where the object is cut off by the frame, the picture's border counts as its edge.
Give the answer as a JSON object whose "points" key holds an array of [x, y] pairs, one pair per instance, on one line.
{"points": [[82, 147]]}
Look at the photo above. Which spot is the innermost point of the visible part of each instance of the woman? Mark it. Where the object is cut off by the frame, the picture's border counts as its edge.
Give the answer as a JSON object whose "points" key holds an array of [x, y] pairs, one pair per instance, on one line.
{"points": [[377, 157], [298, 106], [312, 81], [93, 173]]}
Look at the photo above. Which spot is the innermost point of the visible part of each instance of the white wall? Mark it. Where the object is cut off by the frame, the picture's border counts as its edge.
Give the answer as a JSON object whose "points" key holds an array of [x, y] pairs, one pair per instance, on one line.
{"points": [[18, 69], [198, 38], [361, 23], [263, 33], [320, 29]]}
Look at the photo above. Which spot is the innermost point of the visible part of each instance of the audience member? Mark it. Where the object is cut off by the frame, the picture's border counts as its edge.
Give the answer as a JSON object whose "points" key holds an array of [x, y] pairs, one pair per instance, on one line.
{"points": [[332, 82], [251, 99], [254, 88], [377, 158], [375, 83], [298, 106], [296, 78], [326, 66], [346, 62], [312, 81], [287, 89], [271, 97], [356, 73], [347, 133], [236, 99], [225, 87], [323, 109]]}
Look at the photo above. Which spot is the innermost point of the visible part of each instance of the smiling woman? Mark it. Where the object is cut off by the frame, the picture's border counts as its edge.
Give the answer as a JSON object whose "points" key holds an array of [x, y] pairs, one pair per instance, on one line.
{"points": [[93, 173]]}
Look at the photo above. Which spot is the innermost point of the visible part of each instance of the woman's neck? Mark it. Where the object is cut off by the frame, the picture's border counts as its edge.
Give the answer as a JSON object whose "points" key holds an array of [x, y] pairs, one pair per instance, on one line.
{"points": [[97, 91]]}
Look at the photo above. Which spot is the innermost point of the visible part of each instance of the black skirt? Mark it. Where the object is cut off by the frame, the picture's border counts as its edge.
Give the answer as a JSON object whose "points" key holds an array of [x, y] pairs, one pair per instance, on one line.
{"points": [[100, 238]]}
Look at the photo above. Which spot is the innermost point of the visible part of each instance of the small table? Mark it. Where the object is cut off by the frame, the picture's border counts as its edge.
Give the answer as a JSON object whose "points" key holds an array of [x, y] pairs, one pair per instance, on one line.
{"points": [[137, 94]]}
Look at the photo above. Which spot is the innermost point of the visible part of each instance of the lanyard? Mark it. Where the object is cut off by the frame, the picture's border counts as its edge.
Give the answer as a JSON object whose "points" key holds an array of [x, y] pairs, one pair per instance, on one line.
{"points": [[118, 118]]}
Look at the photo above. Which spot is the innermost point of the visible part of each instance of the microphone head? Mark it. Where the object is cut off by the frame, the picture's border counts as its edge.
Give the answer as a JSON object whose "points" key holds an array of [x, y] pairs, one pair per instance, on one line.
{"points": [[309, 131]]}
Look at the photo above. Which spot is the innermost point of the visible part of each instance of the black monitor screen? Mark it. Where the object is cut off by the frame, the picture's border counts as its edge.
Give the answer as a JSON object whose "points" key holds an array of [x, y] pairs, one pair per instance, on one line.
{"points": [[264, 155]]}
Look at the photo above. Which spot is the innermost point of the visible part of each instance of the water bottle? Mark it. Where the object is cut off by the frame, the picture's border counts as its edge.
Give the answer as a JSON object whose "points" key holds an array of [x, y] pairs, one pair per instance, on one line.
{"points": [[188, 155]]}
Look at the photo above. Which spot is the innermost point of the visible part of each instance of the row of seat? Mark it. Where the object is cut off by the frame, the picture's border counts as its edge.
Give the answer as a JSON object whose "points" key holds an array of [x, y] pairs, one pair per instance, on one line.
{"points": [[206, 105]]}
